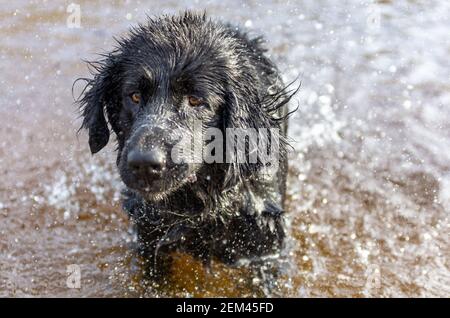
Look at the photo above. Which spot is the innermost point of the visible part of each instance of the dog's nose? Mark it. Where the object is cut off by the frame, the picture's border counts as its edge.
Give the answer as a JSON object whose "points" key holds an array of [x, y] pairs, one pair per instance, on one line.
{"points": [[152, 160]]}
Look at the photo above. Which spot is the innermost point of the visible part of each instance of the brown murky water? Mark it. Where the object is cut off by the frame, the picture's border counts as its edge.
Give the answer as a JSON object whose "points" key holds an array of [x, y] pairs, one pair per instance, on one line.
{"points": [[369, 186]]}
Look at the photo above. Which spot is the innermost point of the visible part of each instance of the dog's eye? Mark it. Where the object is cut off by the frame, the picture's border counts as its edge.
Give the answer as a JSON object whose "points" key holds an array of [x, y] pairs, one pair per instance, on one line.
{"points": [[135, 98], [194, 101]]}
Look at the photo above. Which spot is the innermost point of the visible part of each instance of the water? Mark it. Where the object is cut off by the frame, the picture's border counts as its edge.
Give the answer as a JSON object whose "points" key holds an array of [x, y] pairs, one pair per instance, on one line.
{"points": [[369, 183]]}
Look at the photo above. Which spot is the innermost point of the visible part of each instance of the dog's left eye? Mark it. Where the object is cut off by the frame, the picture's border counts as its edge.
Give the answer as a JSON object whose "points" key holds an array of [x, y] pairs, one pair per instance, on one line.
{"points": [[135, 98], [194, 101]]}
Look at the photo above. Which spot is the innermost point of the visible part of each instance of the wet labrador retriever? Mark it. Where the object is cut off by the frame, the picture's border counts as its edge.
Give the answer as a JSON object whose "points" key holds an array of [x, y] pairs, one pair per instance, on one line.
{"points": [[168, 78]]}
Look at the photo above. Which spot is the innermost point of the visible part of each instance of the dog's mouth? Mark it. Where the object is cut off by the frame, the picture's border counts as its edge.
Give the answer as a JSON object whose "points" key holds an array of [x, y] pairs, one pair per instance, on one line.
{"points": [[155, 186], [147, 163]]}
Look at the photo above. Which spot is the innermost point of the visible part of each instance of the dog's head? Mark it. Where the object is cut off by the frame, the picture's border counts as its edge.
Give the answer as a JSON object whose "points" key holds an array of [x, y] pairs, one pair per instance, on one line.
{"points": [[163, 77]]}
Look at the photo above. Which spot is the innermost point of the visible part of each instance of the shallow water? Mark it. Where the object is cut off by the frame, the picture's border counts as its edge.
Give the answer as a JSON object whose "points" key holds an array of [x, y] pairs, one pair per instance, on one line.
{"points": [[369, 183]]}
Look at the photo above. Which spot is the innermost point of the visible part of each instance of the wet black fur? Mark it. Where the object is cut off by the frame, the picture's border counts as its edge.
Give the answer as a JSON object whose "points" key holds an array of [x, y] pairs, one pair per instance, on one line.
{"points": [[230, 212]]}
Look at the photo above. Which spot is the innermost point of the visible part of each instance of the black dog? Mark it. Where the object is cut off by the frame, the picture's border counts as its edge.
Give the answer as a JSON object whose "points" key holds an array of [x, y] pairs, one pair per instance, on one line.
{"points": [[161, 78]]}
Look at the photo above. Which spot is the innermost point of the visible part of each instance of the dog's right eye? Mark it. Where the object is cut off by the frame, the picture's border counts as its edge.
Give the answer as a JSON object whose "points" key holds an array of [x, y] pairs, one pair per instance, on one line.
{"points": [[135, 98], [194, 101]]}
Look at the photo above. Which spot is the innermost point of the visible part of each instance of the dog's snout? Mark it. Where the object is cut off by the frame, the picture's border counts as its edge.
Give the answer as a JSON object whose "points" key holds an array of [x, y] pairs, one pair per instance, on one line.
{"points": [[152, 160]]}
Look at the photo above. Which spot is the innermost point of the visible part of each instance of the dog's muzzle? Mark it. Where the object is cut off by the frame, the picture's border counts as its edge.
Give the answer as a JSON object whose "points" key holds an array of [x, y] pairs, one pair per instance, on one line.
{"points": [[143, 162], [148, 152]]}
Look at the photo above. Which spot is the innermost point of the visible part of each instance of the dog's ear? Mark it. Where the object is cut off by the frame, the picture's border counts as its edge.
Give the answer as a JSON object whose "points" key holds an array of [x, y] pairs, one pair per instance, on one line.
{"points": [[97, 95], [94, 121], [245, 107], [242, 111]]}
